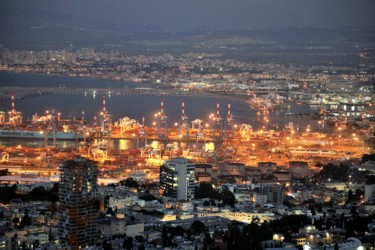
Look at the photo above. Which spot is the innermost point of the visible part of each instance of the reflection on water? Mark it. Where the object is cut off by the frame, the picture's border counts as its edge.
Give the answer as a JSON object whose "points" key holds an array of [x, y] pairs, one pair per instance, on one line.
{"points": [[116, 144], [138, 107], [36, 143], [122, 144]]}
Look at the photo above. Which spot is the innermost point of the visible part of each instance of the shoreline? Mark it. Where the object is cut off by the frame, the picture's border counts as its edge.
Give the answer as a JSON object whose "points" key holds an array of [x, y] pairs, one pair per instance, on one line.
{"points": [[27, 92], [35, 90]]}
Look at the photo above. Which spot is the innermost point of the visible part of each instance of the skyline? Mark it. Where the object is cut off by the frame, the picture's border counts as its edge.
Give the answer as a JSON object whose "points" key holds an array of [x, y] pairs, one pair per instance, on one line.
{"points": [[274, 148]]}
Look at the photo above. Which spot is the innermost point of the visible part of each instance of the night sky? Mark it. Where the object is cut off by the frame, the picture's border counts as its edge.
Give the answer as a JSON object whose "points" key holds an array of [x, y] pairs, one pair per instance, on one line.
{"points": [[190, 14]]}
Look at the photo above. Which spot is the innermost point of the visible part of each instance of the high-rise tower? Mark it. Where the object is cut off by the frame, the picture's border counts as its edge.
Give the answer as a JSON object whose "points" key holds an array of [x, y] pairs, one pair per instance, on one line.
{"points": [[79, 203], [177, 179]]}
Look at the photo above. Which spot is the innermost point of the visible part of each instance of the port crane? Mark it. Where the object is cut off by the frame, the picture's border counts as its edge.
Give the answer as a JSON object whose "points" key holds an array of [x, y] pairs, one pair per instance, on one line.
{"points": [[162, 122], [184, 122], [51, 128]]}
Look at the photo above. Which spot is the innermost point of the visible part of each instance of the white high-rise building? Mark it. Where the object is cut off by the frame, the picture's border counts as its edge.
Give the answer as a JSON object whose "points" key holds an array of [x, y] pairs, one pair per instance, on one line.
{"points": [[177, 179]]}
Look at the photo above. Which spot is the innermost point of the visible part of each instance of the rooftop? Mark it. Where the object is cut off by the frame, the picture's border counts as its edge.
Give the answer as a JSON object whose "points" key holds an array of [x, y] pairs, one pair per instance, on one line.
{"points": [[179, 160]]}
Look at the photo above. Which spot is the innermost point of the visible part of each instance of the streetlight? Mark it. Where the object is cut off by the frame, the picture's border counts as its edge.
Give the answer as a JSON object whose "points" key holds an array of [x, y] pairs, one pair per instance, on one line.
{"points": [[308, 128], [176, 127], [45, 133]]}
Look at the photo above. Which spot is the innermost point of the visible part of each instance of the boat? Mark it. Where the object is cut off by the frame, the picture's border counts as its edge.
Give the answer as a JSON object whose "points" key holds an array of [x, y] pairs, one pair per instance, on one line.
{"points": [[48, 126], [26, 134], [43, 127]]}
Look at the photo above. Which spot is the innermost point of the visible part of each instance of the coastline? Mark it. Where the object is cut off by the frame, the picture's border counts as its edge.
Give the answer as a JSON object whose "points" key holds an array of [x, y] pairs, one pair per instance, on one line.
{"points": [[24, 91], [29, 92]]}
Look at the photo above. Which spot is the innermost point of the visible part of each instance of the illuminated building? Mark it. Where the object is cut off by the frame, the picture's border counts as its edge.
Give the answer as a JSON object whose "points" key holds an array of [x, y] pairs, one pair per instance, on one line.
{"points": [[177, 179], [79, 204]]}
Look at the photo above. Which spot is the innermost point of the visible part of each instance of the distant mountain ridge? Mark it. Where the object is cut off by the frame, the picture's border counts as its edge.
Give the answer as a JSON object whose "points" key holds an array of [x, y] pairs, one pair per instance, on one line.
{"points": [[40, 24], [57, 35]]}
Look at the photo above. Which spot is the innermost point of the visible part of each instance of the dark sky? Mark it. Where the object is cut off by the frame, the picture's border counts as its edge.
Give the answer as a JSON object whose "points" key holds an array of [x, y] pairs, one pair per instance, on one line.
{"points": [[190, 14]]}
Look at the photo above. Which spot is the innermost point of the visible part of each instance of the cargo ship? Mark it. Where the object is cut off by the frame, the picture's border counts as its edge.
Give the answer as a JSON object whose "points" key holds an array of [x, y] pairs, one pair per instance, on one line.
{"points": [[43, 127], [26, 134], [48, 126]]}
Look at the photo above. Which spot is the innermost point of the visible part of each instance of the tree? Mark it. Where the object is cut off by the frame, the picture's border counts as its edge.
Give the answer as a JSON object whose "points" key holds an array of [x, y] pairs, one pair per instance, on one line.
{"points": [[205, 190], [350, 196], [165, 237], [336, 246], [7, 193], [16, 221], [110, 211], [38, 193], [177, 231], [209, 203], [36, 244], [107, 245], [148, 197], [368, 157], [139, 238], [168, 192], [334, 172], [128, 243], [197, 227], [130, 182], [287, 202], [353, 211], [141, 247], [50, 235], [207, 240], [312, 209], [290, 224], [358, 195], [53, 195], [227, 197], [26, 220], [14, 188], [4, 172]]}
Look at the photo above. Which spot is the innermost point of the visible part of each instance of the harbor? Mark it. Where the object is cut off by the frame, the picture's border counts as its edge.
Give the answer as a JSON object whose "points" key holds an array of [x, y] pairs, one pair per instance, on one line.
{"points": [[126, 146]]}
